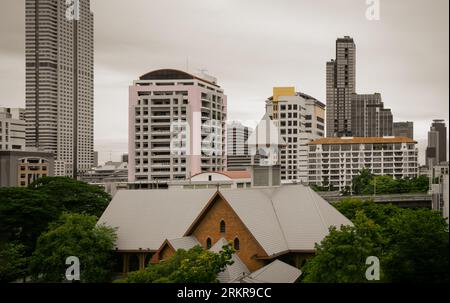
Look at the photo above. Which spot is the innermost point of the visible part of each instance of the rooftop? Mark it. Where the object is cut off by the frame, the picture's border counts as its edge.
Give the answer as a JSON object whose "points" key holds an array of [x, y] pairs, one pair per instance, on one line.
{"points": [[359, 140]]}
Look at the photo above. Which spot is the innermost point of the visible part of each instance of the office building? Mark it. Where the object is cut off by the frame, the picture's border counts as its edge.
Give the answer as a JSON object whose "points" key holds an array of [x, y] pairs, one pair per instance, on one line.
{"points": [[348, 113], [404, 129], [238, 156], [299, 118], [21, 168], [436, 152], [12, 129], [335, 161], [177, 126], [60, 83], [369, 117]]}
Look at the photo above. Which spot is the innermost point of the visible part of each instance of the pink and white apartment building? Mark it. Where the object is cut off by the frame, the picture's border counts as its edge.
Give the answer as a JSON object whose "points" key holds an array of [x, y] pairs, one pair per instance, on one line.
{"points": [[176, 126]]}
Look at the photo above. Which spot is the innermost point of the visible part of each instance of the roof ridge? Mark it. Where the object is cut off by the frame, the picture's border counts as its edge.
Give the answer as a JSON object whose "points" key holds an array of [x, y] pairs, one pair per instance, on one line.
{"points": [[324, 223], [278, 220]]}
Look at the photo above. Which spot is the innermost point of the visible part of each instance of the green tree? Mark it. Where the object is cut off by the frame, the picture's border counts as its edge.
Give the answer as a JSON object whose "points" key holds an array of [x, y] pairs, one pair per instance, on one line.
{"points": [[418, 247], [193, 266], [361, 181], [72, 195], [412, 245], [341, 256], [378, 213], [13, 263], [74, 235], [24, 215]]}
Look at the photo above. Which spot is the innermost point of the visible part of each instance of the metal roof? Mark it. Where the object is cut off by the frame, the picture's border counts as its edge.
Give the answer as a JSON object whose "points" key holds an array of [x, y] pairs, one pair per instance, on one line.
{"points": [[185, 243], [233, 271], [282, 219], [275, 272], [145, 218]]}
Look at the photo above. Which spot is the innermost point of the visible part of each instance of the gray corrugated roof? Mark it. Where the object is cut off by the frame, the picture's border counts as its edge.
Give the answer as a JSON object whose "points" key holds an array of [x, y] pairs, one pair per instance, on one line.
{"points": [[275, 272], [291, 217], [185, 243], [145, 218], [233, 271]]}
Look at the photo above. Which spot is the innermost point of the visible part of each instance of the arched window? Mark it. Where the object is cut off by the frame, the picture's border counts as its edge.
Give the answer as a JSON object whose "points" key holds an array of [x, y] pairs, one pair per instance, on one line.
{"points": [[222, 226], [208, 243], [237, 244]]}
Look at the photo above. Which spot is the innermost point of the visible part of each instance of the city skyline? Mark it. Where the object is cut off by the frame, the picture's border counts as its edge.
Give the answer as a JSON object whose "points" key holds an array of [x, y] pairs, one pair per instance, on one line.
{"points": [[390, 59]]}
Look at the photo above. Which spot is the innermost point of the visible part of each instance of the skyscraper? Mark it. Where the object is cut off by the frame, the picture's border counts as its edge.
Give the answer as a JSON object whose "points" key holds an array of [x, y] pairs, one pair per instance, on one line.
{"points": [[59, 82], [341, 85], [349, 113], [176, 126], [404, 129], [436, 152]]}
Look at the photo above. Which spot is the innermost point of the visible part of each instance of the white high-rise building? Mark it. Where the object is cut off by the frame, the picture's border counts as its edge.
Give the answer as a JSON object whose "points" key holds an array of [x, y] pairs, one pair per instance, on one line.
{"points": [[12, 129], [238, 155], [335, 161], [300, 119], [176, 127], [60, 82]]}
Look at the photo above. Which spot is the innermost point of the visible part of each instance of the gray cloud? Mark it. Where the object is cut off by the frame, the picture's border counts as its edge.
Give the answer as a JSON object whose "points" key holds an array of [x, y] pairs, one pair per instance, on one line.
{"points": [[251, 46]]}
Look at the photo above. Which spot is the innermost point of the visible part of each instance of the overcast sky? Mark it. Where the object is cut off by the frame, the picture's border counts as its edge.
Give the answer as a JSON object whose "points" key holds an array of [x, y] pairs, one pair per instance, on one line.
{"points": [[251, 46]]}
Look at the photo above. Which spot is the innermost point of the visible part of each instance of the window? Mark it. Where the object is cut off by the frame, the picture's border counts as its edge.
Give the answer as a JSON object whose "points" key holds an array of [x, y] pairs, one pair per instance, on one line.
{"points": [[236, 244], [222, 226], [208, 243]]}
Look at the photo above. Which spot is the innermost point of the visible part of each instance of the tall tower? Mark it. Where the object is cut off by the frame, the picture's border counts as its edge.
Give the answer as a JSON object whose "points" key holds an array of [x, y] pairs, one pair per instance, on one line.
{"points": [[341, 86], [60, 82], [436, 152]]}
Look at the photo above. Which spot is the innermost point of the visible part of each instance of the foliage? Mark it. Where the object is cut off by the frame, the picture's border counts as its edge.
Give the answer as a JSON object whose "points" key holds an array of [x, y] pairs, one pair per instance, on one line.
{"points": [[341, 256], [72, 195], [74, 235], [13, 263], [378, 213], [418, 245], [412, 245], [365, 183], [193, 266], [24, 215]]}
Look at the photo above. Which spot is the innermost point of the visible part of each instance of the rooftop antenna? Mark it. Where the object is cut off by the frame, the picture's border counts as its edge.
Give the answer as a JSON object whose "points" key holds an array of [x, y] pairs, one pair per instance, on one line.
{"points": [[187, 64]]}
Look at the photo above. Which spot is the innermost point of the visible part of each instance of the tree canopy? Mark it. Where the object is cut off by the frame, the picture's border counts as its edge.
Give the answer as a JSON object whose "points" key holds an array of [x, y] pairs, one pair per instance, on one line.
{"points": [[193, 266], [365, 183], [74, 196], [25, 213], [74, 235], [412, 245]]}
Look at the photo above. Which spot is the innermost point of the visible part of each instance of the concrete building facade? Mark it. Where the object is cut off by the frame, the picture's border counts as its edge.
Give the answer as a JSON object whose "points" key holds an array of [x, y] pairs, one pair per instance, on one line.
{"points": [[436, 152], [60, 82], [12, 129], [238, 155], [404, 129], [176, 126], [300, 119], [20, 168], [335, 161]]}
